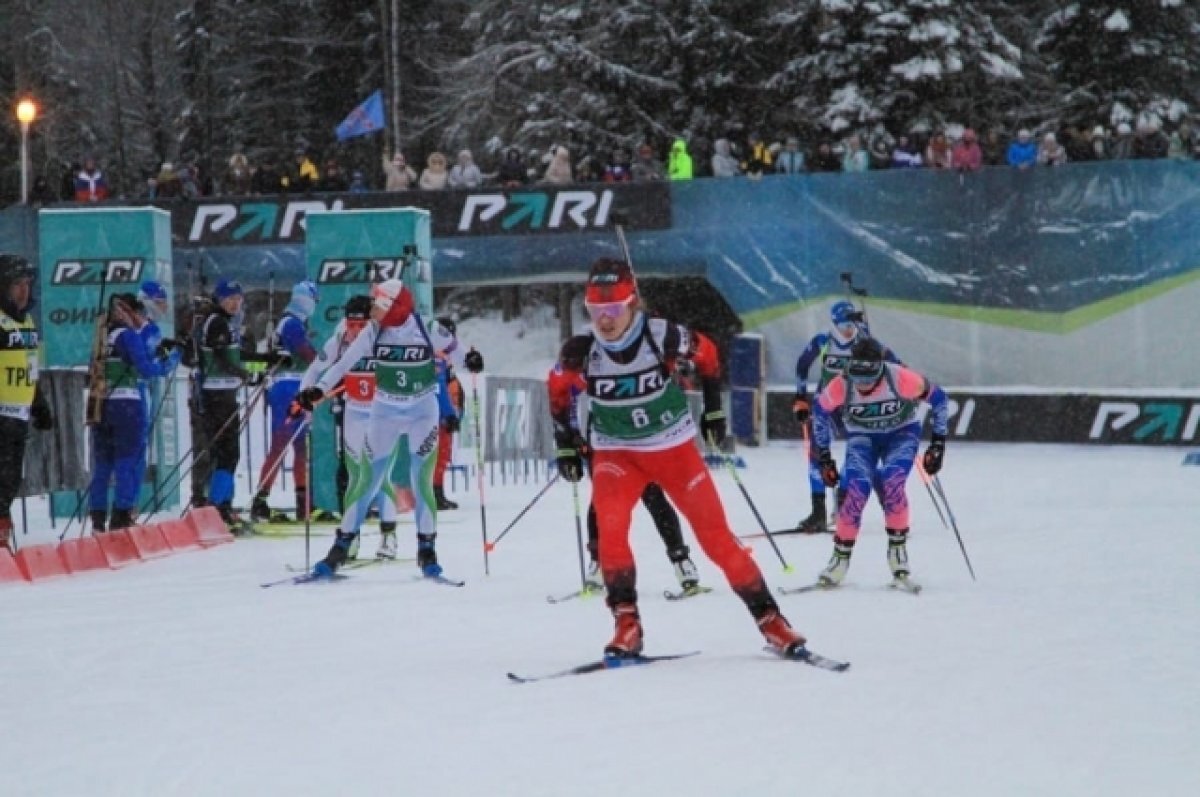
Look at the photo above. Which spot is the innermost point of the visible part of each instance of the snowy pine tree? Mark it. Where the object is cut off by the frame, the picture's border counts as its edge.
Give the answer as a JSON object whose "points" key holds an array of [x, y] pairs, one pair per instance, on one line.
{"points": [[604, 74], [1113, 61], [907, 63]]}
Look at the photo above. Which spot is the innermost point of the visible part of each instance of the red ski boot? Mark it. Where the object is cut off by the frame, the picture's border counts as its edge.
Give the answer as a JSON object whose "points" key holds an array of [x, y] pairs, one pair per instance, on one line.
{"points": [[627, 640], [779, 633]]}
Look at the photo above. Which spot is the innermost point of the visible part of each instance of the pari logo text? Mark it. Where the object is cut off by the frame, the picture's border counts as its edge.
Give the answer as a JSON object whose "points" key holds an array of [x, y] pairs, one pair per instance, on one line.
{"points": [[1146, 421], [256, 221], [365, 271], [534, 210], [115, 271]]}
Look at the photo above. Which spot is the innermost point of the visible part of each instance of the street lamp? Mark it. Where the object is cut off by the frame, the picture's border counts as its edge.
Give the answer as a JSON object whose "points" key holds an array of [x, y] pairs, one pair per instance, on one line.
{"points": [[26, 113]]}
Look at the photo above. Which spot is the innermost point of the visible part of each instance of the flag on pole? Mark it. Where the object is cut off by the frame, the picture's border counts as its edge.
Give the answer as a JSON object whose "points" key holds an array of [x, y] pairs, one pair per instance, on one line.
{"points": [[363, 120]]}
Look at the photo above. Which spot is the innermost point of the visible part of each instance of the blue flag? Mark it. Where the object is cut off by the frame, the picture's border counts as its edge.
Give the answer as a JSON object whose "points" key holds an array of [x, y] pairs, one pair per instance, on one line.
{"points": [[366, 118]]}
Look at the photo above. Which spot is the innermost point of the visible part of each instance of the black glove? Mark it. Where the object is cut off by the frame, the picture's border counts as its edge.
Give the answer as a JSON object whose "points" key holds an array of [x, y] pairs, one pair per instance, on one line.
{"points": [[571, 450], [255, 378], [934, 454], [473, 360], [309, 397], [801, 408], [43, 419], [712, 426], [453, 424], [829, 470]]}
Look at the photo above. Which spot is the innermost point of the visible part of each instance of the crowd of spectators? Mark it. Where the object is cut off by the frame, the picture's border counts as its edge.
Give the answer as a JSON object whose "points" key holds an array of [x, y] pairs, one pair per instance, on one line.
{"points": [[951, 148]]}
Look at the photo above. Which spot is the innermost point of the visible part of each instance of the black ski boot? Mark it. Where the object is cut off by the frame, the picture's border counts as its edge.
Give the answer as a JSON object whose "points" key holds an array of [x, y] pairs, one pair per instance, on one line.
{"points": [[427, 555], [121, 519], [338, 554], [816, 523], [439, 495], [233, 522], [259, 509], [99, 519]]}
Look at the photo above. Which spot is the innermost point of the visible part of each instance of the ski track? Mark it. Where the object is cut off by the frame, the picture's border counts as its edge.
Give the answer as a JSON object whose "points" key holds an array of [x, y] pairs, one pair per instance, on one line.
{"points": [[1067, 669]]}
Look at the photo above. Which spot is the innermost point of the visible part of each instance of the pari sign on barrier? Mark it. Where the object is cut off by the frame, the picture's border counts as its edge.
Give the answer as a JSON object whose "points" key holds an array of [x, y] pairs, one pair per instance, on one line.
{"points": [[92, 253]]}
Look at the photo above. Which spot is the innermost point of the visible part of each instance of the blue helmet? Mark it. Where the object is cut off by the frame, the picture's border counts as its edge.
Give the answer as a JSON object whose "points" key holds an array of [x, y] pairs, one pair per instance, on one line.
{"points": [[304, 300], [844, 312], [152, 291], [226, 288]]}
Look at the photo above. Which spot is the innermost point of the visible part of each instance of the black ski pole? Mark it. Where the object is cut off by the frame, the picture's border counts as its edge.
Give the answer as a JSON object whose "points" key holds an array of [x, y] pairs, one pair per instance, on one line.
{"points": [[925, 480], [728, 461], [852, 291], [536, 498], [937, 484]]}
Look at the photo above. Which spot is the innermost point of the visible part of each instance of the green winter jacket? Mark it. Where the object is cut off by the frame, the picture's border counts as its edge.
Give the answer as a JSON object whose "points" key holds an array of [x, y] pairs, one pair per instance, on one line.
{"points": [[679, 164]]}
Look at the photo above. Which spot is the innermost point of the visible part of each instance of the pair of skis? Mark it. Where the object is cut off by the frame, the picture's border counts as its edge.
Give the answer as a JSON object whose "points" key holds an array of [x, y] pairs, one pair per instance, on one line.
{"points": [[802, 655], [589, 591], [899, 584], [309, 577]]}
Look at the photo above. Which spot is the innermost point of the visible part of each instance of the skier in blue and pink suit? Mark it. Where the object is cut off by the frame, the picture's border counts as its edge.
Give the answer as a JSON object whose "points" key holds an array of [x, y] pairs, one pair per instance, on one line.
{"points": [[878, 402]]}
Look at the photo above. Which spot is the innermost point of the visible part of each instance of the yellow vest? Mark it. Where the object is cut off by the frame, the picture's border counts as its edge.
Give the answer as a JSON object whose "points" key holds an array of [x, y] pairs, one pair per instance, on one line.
{"points": [[18, 366]]}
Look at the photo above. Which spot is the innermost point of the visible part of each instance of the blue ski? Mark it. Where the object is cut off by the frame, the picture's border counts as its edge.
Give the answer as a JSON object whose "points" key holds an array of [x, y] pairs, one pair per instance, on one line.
{"points": [[449, 582], [606, 663], [305, 578]]}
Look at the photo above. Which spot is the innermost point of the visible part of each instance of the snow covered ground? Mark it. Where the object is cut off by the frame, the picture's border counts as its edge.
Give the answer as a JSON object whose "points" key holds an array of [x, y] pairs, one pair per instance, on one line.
{"points": [[1069, 668]]}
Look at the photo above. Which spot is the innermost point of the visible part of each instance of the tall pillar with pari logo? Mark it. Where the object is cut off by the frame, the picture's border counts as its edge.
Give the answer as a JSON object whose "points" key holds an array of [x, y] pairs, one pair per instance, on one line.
{"points": [[346, 253], [86, 255]]}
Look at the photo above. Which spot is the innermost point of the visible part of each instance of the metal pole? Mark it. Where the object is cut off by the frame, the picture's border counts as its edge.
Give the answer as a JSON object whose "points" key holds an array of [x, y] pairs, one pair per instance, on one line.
{"points": [[24, 163]]}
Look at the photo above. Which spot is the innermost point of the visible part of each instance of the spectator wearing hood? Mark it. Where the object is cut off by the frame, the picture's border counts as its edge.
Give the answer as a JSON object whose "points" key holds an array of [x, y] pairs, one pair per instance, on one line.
{"points": [[646, 166], [512, 169], [855, 158], [238, 174], [679, 162], [358, 183], [559, 171], [967, 156], [723, 162], [399, 176], [1051, 153], [791, 159], [879, 146], [1023, 152], [465, 173], [435, 176]]}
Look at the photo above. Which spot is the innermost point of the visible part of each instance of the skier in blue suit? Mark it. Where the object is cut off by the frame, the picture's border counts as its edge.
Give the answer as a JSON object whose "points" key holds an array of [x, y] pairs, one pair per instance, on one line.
{"points": [[119, 439], [832, 350], [292, 344]]}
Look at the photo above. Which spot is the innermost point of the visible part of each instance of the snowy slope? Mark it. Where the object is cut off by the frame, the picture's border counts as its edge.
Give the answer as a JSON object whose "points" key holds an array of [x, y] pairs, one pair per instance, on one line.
{"points": [[1068, 669]]}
